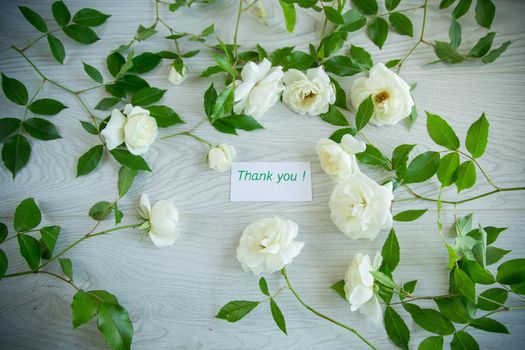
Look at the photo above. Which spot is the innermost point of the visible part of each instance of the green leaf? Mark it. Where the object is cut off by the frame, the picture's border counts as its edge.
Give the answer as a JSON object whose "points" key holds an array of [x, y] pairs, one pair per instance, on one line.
{"points": [[342, 66], [242, 121], [210, 97], [495, 254], [446, 3], [441, 132], [340, 95], [431, 343], [333, 15], [57, 48], [289, 15], [377, 30], [125, 180], [263, 286], [46, 106], [49, 237], [409, 215], [476, 272], [14, 90], [510, 272], [124, 157], [337, 136], [114, 62], [90, 17], [147, 96], [107, 103], [477, 137], [145, 62], [384, 279], [366, 7], [492, 299], [16, 153], [461, 8], [3, 232], [103, 296], [485, 11], [81, 33], [364, 113], [361, 57], [396, 328], [8, 126], [391, 4], [67, 267], [277, 316], [298, 60], [401, 24], [99, 211], [236, 310], [446, 53], [339, 288], [114, 323], [392, 63], [466, 176], [83, 308], [30, 250], [34, 18], [93, 73], [118, 214], [4, 263], [483, 45], [223, 104], [165, 116], [447, 172], [489, 325], [41, 129], [422, 168], [494, 54], [454, 33], [453, 309], [465, 284], [372, 156], [430, 319], [223, 62], [61, 13], [493, 233], [89, 160], [27, 215], [390, 251], [334, 116], [463, 341], [132, 83], [400, 156]]}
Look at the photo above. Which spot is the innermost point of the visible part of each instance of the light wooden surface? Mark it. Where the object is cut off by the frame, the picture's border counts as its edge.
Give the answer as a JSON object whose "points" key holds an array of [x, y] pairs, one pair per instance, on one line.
{"points": [[173, 293]]}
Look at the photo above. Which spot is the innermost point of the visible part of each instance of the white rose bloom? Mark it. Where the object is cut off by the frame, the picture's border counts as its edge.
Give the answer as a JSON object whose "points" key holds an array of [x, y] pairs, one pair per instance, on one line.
{"points": [[162, 221], [312, 93], [259, 89], [220, 157], [360, 208], [175, 77], [267, 245], [339, 161], [359, 287], [390, 94], [135, 127]]}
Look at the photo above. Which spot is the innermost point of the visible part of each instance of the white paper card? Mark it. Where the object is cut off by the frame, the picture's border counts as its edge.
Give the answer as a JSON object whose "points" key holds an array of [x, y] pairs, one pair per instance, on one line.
{"points": [[271, 181]]}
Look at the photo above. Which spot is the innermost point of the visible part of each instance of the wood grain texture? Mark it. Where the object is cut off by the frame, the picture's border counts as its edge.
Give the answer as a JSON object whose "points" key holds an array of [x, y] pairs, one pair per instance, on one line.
{"points": [[173, 293]]}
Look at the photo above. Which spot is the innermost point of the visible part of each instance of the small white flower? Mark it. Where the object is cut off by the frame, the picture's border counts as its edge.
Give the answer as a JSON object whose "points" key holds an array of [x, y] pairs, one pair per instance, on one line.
{"points": [[175, 77], [162, 221], [220, 157], [312, 93], [339, 161], [135, 127], [267, 245], [390, 94], [259, 89], [360, 208], [359, 287]]}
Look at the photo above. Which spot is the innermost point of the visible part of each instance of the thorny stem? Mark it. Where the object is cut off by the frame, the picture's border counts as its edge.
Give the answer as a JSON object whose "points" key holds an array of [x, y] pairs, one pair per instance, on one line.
{"points": [[420, 40], [311, 309], [38, 39], [499, 189], [239, 12], [405, 10], [480, 168], [188, 133], [68, 281]]}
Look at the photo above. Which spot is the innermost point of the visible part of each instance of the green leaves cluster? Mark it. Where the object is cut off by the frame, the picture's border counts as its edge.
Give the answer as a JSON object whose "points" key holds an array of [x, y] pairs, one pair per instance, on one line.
{"points": [[77, 27], [238, 309], [16, 149]]}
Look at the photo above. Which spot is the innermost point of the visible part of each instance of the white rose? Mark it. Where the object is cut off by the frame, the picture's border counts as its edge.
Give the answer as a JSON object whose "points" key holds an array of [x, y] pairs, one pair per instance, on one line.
{"points": [[135, 127], [162, 221], [175, 77], [259, 89], [339, 161], [312, 93], [390, 94], [267, 245], [359, 287], [360, 208], [220, 157]]}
